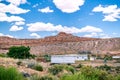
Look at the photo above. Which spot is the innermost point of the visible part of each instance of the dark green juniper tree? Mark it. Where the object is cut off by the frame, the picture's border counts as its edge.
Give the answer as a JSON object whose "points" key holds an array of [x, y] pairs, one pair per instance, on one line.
{"points": [[20, 52]]}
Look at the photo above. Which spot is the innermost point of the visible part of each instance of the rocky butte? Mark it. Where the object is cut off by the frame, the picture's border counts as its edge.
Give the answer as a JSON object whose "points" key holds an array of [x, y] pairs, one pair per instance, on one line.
{"points": [[62, 43]]}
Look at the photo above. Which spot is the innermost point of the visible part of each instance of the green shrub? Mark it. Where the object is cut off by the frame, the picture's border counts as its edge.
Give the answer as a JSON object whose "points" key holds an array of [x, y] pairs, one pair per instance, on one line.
{"points": [[89, 73], [76, 76], [104, 67], [34, 77], [38, 67], [118, 77], [20, 52], [46, 77], [19, 63], [79, 66], [47, 58], [71, 69], [117, 69], [55, 69], [10, 74], [3, 55]]}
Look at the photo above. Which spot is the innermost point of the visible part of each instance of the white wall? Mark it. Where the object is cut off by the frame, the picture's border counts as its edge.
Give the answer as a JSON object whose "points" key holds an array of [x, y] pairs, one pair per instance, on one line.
{"points": [[62, 59], [116, 57], [68, 58]]}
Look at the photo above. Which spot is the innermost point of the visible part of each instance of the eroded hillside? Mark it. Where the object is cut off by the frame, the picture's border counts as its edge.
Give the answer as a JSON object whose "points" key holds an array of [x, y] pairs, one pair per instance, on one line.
{"points": [[62, 44]]}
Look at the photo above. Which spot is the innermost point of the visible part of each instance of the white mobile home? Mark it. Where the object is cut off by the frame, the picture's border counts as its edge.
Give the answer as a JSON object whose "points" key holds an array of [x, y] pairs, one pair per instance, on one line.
{"points": [[116, 57], [68, 58]]}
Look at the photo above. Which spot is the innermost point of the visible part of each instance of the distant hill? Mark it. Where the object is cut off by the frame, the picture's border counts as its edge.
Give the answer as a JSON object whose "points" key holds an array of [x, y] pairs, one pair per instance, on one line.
{"points": [[62, 43]]}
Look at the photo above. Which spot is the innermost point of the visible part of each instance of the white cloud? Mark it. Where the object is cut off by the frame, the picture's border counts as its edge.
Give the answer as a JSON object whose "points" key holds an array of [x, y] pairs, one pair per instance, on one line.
{"points": [[35, 5], [19, 23], [111, 13], [1, 34], [68, 6], [97, 35], [15, 28], [40, 26], [4, 17], [105, 36], [17, 2], [12, 9], [90, 29], [45, 10], [35, 35], [91, 35]]}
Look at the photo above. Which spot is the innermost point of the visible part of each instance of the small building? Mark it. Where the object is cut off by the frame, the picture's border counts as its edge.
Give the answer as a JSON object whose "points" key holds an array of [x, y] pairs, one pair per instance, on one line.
{"points": [[92, 58], [70, 58], [116, 56]]}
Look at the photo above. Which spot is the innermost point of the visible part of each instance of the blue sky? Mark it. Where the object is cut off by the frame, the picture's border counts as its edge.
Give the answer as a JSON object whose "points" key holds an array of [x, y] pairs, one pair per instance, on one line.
{"points": [[41, 18]]}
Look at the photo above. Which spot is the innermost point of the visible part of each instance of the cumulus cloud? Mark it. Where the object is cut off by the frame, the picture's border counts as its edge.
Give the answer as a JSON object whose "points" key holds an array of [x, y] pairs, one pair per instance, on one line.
{"points": [[35, 35], [98, 35], [19, 23], [40, 26], [4, 17], [12, 9], [45, 10], [15, 28], [68, 6], [90, 29], [17, 2], [111, 13], [1, 34], [91, 35]]}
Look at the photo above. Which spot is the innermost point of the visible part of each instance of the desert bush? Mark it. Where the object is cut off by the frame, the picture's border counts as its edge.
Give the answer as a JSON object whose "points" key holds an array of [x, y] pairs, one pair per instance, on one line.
{"points": [[34, 77], [10, 74], [31, 64], [76, 76], [89, 73], [20, 52], [46, 77], [104, 67], [47, 57], [79, 66], [19, 63], [117, 69], [71, 69], [93, 73], [38, 67], [3, 55], [55, 69], [118, 77]]}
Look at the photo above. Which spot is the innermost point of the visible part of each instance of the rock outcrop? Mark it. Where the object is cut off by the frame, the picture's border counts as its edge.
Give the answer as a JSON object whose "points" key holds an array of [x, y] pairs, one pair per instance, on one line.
{"points": [[62, 43]]}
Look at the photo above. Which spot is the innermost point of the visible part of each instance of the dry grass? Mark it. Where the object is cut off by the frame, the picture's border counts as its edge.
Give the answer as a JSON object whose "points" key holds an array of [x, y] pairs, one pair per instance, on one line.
{"points": [[7, 62]]}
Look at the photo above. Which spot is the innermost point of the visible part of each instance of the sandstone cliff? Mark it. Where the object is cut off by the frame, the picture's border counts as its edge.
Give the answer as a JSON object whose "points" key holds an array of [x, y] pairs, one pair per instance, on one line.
{"points": [[62, 44]]}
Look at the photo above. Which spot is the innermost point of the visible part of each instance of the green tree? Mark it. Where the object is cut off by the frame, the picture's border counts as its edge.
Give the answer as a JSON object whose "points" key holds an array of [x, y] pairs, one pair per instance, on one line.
{"points": [[20, 52]]}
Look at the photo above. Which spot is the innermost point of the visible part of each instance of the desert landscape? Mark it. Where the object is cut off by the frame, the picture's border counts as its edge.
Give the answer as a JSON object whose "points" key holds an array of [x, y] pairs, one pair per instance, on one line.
{"points": [[102, 50], [59, 39], [63, 43]]}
